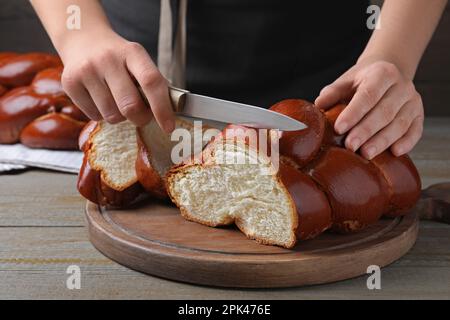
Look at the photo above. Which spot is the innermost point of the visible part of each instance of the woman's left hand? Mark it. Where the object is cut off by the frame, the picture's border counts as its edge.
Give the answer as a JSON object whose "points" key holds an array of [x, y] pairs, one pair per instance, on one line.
{"points": [[385, 109]]}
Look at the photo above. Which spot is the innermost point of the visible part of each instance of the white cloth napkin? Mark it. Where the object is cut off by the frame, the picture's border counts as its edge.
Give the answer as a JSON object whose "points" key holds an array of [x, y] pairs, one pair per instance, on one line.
{"points": [[18, 156], [10, 167]]}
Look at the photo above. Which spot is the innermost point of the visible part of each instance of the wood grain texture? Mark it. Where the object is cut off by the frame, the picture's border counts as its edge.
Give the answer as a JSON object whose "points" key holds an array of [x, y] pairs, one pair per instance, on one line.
{"points": [[422, 273], [39, 198], [432, 155], [39, 240], [155, 239], [435, 203]]}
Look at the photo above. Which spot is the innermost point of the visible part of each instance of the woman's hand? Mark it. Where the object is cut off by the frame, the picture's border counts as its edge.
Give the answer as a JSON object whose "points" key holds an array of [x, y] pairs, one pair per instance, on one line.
{"points": [[100, 76], [384, 111]]}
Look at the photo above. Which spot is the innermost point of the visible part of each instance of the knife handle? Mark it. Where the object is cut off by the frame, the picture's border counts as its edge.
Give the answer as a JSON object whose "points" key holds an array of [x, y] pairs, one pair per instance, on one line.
{"points": [[177, 97]]}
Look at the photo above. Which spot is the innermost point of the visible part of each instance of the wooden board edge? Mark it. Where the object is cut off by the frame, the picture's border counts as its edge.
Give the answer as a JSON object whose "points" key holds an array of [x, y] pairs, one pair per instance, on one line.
{"points": [[174, 265]]}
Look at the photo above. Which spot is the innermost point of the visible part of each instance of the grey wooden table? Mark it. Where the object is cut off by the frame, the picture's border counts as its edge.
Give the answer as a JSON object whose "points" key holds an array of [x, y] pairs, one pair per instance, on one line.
{"points": [[42, 233]]}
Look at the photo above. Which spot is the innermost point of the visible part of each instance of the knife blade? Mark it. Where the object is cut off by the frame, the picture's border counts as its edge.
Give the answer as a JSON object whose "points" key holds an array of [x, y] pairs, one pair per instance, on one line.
{"points": [[204, 107], [237, 113]]}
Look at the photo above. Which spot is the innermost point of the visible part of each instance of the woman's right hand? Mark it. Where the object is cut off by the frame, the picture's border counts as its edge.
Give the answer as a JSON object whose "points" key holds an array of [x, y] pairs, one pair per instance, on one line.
{"points": [[100, 75]]}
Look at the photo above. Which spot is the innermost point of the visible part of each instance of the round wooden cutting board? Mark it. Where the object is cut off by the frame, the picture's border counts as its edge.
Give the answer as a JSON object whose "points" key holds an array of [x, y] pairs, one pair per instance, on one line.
{"points": [[155, 239]]}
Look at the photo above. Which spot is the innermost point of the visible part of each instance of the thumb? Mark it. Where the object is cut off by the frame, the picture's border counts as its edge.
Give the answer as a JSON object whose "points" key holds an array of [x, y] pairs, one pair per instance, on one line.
{"points": [[333, 93]]}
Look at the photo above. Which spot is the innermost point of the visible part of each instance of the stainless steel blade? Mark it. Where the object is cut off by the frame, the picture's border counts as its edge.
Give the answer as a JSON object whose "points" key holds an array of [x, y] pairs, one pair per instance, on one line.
{"points": [[237, 113]]}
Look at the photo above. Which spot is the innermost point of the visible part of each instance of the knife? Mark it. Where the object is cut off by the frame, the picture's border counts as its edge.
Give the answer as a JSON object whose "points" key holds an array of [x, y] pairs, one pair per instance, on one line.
{"points": [[194, 105]]}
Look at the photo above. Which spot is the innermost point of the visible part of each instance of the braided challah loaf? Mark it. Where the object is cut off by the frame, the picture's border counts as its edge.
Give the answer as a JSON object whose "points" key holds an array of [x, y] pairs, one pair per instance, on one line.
{"points": [[34, 109], [319, 184]]}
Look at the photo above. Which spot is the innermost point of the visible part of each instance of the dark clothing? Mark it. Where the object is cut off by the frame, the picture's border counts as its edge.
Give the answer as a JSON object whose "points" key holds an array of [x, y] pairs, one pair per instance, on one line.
{"points": [[256, 51]]}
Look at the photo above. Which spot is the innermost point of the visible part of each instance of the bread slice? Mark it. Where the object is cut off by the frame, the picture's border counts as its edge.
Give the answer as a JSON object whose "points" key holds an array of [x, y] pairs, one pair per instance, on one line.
{"points": [[121, 159], [108, 175], [232, 182], [155, 153], [218, 194], [113, 152]]}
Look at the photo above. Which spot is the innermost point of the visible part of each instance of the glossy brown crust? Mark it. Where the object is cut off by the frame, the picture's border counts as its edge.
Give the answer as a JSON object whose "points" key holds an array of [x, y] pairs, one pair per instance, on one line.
{"points": [[19, 70], [313, 209], [4, 56], [48, 82], [52, 131], [148, 177], [92, 188], [244, 134], [331, 137], [357, 193], [83, 138], [90, 184], [3, 90], [20, 106], [74, 112], [403, 181], [303, 145], [332, 113], [7, 55]]}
